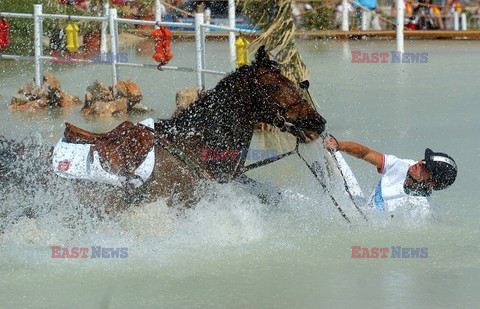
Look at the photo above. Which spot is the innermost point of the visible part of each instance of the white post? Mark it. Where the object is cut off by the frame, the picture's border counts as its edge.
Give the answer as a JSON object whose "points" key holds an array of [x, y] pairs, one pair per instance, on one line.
{"points": [[400, 20], [364, 20], [158, 13], [103, 43], [455, 20], [208, 16], [345, 15], [38, 43], [41, 46], [199, 50], [113, 47], [204, 51], [464, 21], [117, 48], [231, 35]]}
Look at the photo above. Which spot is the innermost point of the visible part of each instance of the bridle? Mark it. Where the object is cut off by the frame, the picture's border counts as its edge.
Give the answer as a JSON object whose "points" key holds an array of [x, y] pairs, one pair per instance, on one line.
{"points": [[279, 121]]}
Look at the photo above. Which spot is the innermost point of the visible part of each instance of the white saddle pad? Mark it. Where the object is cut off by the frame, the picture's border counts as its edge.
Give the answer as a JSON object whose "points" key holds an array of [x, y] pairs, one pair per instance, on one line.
{"points": [[73, 161]]}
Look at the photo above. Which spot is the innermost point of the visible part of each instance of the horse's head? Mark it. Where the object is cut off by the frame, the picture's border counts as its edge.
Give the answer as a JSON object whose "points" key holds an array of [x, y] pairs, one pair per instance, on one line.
{"points": [[282, 105]]}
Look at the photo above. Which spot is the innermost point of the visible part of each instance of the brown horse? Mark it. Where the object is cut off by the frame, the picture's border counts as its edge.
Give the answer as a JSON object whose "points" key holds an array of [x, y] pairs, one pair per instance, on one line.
{"points": [[223, 119]]}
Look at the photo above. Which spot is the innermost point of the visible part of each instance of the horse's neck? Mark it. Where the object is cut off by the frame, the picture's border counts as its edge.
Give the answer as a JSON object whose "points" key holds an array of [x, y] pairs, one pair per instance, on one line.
{"points": [[222, 120]]}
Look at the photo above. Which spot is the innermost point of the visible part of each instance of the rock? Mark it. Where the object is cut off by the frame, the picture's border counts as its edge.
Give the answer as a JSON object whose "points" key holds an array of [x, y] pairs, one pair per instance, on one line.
{"points": [[99, 99], [69, 100], [40, 93], [140, 109], [97, 92], [21, 103], [27, 88], [186, 97], [130, 91], [51, 81], [55, 98], [107, 108], [50, 94], [18, 99]]}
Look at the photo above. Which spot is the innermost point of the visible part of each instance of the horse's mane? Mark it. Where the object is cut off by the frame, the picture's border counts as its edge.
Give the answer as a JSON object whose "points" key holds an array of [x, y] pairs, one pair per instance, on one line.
{"points": [[245, 69], [227, 81], [221, 106], [226, 84]]}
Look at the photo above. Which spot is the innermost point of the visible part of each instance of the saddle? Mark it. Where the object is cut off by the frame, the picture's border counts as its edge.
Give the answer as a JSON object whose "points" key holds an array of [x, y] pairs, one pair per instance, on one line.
{"points": [[121, 150]]}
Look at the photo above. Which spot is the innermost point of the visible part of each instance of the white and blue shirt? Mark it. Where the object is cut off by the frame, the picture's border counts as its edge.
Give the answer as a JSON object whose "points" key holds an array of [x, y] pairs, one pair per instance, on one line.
{"points": [[389, 193]]}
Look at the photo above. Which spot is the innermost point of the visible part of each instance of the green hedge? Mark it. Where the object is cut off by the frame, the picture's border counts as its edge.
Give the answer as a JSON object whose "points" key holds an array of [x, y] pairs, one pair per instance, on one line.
{"points": [[320, 19]]}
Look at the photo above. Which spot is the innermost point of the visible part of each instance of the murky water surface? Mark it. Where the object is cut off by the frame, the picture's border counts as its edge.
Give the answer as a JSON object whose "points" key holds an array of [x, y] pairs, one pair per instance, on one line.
{"points": [[234, 251]]}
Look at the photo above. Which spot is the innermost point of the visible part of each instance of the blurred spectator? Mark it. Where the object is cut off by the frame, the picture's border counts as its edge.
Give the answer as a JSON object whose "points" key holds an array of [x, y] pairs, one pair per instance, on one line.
{"points": [[338, 7], [370, 8], [477, 13], [426, 16], [407, 14], [448, 10], [298, 10], [436, 15]]}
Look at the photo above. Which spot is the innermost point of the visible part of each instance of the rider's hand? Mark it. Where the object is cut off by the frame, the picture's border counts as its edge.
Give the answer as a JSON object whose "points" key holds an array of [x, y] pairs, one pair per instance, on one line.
{"points": [[331, 144]]}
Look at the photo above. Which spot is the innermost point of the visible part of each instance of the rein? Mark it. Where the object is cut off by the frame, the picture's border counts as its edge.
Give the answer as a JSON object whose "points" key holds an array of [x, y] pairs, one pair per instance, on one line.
{"points": [[243, 169], [324, 186], [347, 189], [176, 152], [312, 170], [337, 164], [280, 122], [266, 161]]}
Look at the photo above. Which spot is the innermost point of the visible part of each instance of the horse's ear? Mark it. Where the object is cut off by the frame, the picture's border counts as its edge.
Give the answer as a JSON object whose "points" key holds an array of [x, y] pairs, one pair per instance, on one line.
{"points": [[261, 58]]}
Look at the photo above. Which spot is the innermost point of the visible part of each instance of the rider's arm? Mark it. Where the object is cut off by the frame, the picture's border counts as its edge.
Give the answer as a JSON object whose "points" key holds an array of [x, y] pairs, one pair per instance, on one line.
{"points": [[357, 150]]}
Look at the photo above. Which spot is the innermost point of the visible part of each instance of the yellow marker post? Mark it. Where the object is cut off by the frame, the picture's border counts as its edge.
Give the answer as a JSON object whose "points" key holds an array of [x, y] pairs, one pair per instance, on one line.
{"points": [[241, 45], [72, 37]]}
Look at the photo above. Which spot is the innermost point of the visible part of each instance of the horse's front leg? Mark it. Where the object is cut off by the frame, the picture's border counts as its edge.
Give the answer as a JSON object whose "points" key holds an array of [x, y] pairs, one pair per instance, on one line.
{"points": [[267, 193]]}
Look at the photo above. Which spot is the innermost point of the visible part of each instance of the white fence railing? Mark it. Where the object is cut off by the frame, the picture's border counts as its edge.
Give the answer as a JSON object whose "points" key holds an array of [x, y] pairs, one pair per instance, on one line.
{"points": [[110, 21]]}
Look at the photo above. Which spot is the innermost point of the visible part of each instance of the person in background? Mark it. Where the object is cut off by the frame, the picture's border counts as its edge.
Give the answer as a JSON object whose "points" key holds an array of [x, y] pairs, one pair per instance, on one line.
{"points": [[436, 14], [370, 7], [449, 10], [407, 14], [298, 10], [427, 16], [477, 13], [338, 7], [402, 181]]}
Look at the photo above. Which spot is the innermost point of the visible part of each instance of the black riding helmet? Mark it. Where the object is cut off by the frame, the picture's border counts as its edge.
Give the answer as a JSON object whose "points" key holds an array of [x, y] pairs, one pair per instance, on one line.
{"points": [[442, 168]]}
